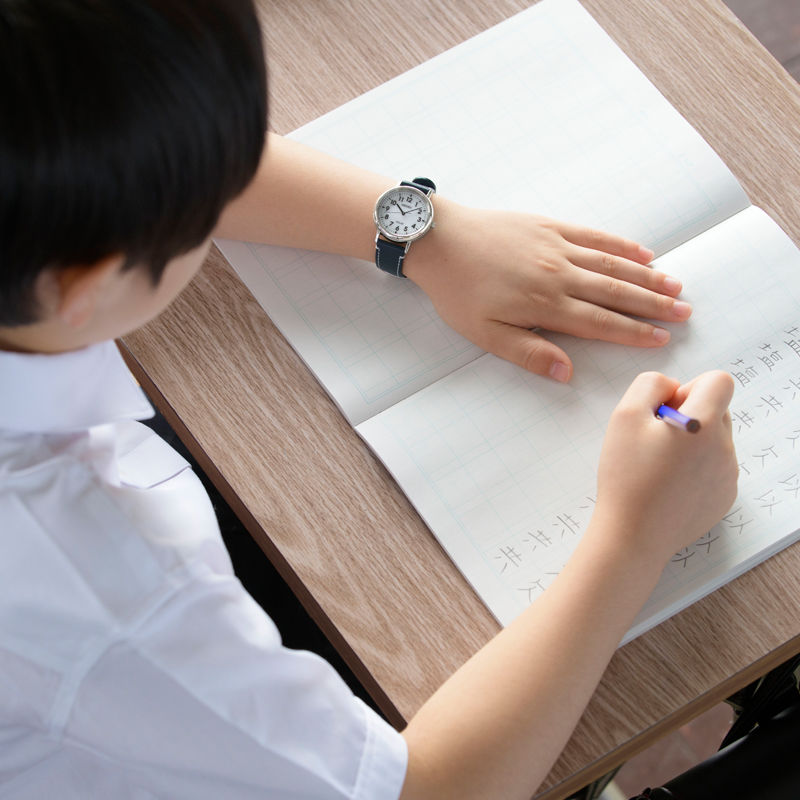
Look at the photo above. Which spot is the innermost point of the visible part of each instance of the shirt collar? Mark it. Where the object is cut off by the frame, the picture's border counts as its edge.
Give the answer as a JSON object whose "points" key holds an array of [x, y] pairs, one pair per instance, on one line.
{"points": [[68, 392]]}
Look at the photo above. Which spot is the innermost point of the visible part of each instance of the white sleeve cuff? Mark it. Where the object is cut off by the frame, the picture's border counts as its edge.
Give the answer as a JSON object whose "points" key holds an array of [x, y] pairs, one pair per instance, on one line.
{"points": [[384, 761]]}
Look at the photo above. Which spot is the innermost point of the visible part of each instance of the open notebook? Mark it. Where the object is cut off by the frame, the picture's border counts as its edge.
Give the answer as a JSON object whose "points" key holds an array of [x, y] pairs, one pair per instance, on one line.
{"points": [[544, 113]]}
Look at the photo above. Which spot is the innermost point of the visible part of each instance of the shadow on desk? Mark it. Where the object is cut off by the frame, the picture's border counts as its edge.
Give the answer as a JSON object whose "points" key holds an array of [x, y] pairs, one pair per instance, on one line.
{"points": [[261, 580]]}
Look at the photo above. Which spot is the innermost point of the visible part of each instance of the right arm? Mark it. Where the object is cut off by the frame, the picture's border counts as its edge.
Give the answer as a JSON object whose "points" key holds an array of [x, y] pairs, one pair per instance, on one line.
{"points": [[496, 727]]}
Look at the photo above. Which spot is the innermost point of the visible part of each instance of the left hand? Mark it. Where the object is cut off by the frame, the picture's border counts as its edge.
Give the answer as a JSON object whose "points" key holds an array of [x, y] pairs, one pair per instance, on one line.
{"points": [[494, 275]]}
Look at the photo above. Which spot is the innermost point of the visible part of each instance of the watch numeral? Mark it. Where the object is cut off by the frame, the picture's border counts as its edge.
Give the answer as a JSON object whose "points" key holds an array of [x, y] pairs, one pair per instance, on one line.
{"points": [[406, 229], [386, 216]]}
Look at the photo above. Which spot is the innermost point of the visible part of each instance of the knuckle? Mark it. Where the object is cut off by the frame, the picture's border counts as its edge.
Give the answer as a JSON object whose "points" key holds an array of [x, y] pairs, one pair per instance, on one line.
{"points": [[617, 289], [532, 356], [611, 265], [596, 237], [663, 304], [603, 320], [549, 265]]}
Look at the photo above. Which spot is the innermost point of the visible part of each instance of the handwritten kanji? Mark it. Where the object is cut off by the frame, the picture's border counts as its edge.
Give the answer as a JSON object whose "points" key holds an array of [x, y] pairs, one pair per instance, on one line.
{"points": [[793, 387], [743, 419], [536, 539], [736, 520], [769, 404], [535, 586], [794, 345], [566, 523], [793, 439], [684, 556], [791, 484], [509, 556], [768, 500], [766, 453], [706, 541]]}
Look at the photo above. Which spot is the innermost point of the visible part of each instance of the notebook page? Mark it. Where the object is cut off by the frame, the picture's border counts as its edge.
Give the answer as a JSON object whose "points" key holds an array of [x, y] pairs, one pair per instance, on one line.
{"points": [[502, 464], [542, 113]]}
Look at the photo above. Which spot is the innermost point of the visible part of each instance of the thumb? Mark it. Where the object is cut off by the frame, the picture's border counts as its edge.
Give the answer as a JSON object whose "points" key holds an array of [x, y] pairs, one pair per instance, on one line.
{"points": [[528, 350]]}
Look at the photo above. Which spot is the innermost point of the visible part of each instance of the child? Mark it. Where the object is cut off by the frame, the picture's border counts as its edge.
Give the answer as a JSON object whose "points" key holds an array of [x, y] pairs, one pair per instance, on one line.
{"points": [[132, 663]]}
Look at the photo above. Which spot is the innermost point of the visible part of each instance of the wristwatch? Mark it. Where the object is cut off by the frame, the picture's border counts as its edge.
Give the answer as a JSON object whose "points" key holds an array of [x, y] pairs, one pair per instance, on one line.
{"points": [[402, 215]]}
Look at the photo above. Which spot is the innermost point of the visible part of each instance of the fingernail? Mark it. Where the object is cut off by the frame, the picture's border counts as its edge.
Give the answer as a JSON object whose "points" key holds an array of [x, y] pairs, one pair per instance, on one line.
{"points": [[660, 335], [672, 284], [560, 371], [681, 309], [645, 254]]}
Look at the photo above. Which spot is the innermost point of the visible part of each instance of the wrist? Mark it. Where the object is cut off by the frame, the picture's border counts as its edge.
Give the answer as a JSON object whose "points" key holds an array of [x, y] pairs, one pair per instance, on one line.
{"points": [[433, 250], [623, 540]]}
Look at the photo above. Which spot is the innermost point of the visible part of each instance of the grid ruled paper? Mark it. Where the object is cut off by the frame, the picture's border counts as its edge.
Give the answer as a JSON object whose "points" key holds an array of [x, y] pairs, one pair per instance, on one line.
{"points": [[502, 464], [542, 113]]}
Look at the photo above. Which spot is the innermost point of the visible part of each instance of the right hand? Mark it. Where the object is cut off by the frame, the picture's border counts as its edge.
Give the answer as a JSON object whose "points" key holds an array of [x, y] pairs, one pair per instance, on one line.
{"points": [[662, 487]]}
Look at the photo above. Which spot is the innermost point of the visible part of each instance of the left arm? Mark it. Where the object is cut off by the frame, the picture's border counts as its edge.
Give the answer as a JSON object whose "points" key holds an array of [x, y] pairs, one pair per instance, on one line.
{"points": [[492, 275]]}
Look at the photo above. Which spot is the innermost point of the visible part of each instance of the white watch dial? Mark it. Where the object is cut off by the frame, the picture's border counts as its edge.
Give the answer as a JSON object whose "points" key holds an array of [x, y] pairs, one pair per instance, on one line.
{"points": [[403, 213]]}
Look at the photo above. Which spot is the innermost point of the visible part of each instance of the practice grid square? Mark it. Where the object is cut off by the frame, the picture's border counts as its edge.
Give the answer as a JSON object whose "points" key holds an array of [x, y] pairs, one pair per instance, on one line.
{"points": [[517, 118], [514, 457]]}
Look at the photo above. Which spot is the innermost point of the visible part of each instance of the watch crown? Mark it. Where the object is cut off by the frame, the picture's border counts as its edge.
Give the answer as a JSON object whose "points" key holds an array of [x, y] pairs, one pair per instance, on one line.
{"points": [[433, 225]]}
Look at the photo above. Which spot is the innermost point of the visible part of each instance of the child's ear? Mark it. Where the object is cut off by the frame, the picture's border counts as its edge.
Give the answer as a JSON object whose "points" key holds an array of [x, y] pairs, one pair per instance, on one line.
{"points": [[78, 289]]}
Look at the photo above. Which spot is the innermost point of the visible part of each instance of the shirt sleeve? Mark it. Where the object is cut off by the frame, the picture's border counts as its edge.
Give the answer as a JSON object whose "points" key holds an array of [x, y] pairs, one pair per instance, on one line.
{"points": [[200, 700]]}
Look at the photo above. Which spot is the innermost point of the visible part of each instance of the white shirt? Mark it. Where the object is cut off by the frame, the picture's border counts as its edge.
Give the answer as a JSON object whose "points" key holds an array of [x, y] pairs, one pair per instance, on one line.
{"points": [[133, 665]]}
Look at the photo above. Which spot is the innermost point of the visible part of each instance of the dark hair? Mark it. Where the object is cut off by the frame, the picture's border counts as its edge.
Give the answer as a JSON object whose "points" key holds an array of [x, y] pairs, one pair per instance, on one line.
{"points": [[125, 127]]}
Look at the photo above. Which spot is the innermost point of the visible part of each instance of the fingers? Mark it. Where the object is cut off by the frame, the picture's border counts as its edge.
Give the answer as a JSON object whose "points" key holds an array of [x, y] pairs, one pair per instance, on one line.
{"points": [[591, 321], [649, 390], [625, 269], [605, 242], [629, 298], [709, 397], [527, 350]]}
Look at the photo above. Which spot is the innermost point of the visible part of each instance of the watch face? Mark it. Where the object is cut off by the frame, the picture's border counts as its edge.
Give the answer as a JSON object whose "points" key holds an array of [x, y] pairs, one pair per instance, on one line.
{"points": [[403, 213]]}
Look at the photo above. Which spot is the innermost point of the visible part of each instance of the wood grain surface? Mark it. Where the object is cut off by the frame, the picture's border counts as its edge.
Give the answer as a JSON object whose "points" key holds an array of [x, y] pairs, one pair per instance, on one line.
{"points": [[326, 511]]}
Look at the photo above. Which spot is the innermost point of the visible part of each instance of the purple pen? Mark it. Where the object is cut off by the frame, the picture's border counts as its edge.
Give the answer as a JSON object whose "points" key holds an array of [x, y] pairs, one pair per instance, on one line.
{"points": [[673, 417]]}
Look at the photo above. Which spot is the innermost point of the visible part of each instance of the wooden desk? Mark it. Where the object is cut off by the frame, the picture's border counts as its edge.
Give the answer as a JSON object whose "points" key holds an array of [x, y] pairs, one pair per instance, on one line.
{"points": [[328, 514]]}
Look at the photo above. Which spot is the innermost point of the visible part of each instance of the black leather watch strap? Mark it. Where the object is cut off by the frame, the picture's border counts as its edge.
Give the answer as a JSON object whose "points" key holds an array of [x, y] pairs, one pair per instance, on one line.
{"points": [[389, 256], [423, 184]]}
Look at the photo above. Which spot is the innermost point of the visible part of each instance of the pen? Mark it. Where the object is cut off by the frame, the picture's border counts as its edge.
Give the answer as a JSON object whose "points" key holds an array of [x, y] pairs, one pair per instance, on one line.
{"points": [[673, 417]]}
